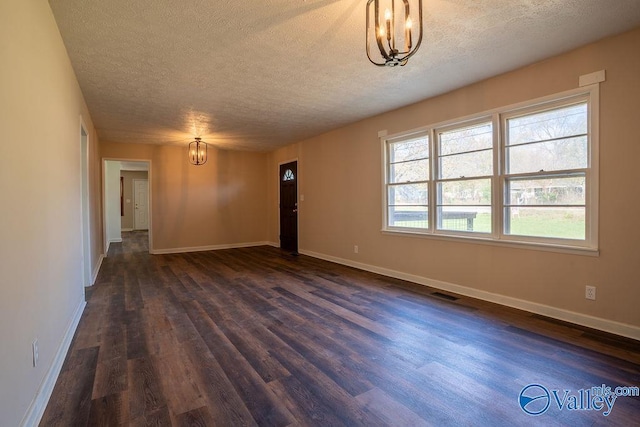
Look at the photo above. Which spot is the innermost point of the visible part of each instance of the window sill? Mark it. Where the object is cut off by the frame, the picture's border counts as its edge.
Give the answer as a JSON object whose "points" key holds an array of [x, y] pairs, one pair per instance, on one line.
{"points": [[535, 246]]}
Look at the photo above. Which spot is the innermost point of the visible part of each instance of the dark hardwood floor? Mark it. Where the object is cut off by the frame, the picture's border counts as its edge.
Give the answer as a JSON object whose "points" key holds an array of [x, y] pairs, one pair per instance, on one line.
{"points": [[256, 336]]}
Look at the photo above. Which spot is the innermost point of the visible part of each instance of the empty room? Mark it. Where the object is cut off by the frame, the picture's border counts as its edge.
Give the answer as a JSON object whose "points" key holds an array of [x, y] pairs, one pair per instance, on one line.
{"points": [[319, 212]]}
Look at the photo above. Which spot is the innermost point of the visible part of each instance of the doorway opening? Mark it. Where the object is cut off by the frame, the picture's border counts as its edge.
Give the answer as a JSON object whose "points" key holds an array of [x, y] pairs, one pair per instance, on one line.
{"points": [[124, 209], [289, 207]]}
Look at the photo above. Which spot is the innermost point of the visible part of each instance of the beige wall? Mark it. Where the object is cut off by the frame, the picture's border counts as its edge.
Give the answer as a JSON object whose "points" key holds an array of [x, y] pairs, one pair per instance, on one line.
{"points": [[340, 177], [41, 286], [222, 202], [129, 176]]}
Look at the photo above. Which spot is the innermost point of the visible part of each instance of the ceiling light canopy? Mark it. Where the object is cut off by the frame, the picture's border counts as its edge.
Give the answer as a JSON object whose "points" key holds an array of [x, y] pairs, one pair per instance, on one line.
{"points": [[391, 27], [198, 152]]}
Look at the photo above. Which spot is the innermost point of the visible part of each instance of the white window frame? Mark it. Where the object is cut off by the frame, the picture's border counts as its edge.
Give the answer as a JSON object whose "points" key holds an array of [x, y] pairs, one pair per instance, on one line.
{"points": [[436, 131], [387, 182], [498, 117]]}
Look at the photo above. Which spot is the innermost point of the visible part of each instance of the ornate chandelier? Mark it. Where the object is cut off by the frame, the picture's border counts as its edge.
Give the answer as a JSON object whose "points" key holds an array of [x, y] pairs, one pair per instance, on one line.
{"points": [[392, 31]]}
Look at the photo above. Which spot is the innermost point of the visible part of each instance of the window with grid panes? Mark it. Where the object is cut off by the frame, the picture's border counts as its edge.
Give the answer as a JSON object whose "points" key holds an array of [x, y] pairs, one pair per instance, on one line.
{"points": [[465, 178], [408, 183], [545, 172], [523, 174]]}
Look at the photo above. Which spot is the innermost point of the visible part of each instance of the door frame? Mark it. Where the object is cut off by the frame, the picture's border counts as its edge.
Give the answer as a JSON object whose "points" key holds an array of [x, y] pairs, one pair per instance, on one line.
{"points": [[104, 207], [85, 205], [297, 198], [133, 183]]}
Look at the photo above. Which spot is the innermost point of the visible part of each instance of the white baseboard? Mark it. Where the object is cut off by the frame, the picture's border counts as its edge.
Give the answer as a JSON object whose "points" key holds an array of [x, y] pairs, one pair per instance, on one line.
{"points": [[207, 248], [601, 324], [39, 403], [96, 270], [274, 244], [124, 230]]}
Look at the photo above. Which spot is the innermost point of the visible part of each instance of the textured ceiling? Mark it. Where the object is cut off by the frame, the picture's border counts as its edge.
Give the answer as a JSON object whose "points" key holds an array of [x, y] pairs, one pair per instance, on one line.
{"points": [[259, 74]]}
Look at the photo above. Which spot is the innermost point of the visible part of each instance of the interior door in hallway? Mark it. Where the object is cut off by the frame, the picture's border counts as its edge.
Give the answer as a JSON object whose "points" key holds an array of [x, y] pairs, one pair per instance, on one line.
{"points": [[289, 207], [141, 203]]}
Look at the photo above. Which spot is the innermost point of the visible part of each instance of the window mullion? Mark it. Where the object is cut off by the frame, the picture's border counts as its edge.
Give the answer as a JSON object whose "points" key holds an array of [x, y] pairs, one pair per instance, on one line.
{"points": [[466, 152], [497, 196], [408, 161], [392, 184], [434, 169], [466, 178], [549, 174]]}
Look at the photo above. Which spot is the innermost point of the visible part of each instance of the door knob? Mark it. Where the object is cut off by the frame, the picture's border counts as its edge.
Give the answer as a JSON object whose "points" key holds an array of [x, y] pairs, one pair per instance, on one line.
{"points": [[295, 210]]}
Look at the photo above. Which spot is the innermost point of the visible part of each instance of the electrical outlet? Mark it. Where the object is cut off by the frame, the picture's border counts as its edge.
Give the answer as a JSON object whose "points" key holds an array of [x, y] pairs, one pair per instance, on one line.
{"points": [[355, 249], [590, 292], [36, 355]]}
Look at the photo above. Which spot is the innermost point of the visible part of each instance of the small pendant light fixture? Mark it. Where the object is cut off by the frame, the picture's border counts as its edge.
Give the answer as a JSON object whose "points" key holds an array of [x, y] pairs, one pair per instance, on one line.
{"points": [[392, 30], [198, 152]]}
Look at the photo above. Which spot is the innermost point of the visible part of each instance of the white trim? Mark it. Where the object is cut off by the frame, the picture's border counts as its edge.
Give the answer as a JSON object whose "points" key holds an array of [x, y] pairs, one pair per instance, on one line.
{"points": [[39, 403], [209, 248], [622, 329], [593, 195], [592, 78], [85, 202], [126, 230], [96, 270], [274, 244]]}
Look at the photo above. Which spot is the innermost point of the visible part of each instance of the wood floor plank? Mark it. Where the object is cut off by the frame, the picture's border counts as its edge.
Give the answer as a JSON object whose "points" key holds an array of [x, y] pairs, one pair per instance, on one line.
{"points": [[327, 359], [248, 384], [256, 336], [145, 391], [177, 376], [133, 296], [199, 417], [157, 418], [390, 411], [322, 398], [226, 406], [110, 377], [136, 340], [111, 410], [72, 404], [248, 343]]}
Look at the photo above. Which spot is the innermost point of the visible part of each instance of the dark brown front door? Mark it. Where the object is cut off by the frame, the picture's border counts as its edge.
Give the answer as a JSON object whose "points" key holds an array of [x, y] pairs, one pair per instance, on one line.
{"points": [[289, 207]]}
